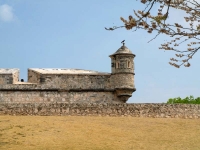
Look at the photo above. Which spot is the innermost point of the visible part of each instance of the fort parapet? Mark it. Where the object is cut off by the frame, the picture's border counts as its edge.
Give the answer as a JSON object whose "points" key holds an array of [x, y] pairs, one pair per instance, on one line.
{"points": [[82, 92], [72, 85]]}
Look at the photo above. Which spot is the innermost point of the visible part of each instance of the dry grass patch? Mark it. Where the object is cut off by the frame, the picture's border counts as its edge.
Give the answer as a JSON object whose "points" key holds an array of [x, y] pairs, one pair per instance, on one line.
{"points": [[97, 133]]}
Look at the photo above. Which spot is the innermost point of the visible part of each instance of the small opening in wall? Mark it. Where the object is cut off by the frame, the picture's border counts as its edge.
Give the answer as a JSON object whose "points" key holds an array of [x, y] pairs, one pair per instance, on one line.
{"points": [[128, 64], [22, 80], [117, 65]]}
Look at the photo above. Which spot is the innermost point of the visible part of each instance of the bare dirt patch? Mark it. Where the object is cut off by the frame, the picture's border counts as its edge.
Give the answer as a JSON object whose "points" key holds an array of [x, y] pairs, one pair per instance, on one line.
{"points": [[97, 133]]}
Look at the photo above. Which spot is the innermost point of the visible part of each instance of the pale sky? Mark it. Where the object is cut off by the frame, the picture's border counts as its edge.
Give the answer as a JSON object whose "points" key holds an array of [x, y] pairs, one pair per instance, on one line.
{"points": [[71, 34]]}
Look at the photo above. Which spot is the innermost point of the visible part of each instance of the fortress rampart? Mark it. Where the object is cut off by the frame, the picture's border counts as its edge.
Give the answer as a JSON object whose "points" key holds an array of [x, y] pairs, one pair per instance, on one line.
{"points": [[72, 85], [71, 88], [82, 92], [186, 111]]}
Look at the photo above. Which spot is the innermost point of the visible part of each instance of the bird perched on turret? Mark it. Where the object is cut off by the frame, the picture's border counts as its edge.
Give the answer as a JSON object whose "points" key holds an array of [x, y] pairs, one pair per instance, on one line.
{"points": [[123, 42]]}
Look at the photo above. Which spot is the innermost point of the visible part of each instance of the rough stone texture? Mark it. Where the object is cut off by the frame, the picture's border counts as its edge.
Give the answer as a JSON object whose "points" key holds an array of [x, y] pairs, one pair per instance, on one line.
{"points": [[33, 76], [189, 111], [36, 75], [72, 85], [77, 81], [123, 81], [64, 85], [56, 96], [122, 60], [9, 76], [6, 79]]}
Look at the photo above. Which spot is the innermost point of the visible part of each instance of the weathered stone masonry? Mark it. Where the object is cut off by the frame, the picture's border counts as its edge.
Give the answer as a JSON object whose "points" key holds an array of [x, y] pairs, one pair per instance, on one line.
{"points": [[82, 92], [72, 85], [189, 111]]}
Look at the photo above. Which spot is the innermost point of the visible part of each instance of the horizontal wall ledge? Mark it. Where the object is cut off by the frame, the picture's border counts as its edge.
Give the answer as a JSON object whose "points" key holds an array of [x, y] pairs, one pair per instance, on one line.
{"points": [[60, 90], [90, 90], [123, 73]]}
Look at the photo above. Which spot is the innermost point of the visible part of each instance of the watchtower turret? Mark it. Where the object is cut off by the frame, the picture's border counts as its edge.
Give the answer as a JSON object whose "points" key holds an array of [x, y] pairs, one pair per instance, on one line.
{"points": [[123, 72], [122, 60]]}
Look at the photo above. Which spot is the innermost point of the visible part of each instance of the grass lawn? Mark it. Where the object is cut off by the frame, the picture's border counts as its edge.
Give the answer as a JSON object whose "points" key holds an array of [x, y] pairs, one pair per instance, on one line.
{"points": [[98, 133]]}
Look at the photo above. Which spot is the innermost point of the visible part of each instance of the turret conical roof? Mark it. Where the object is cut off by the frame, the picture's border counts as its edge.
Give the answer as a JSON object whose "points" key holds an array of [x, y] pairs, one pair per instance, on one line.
{"points": [[123, 50]]}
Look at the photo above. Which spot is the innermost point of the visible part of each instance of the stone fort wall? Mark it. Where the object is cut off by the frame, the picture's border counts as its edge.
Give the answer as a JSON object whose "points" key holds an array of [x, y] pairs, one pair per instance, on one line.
{"points": [[64, 85], [82, 92], [57, 96], [9, 76], [72, 85], [190, 111]]}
